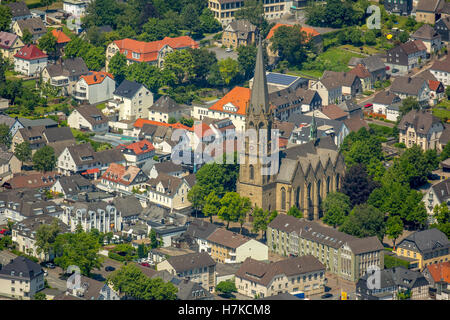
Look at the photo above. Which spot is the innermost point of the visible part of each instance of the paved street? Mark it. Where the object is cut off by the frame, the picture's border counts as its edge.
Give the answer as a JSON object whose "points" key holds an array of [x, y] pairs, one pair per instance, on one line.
{"points": [[54, 279], [221, 54]]}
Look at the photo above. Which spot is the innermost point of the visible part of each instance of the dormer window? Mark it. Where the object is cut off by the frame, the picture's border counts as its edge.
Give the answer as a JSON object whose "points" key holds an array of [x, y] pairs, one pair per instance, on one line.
{"points": [[136, 55]]}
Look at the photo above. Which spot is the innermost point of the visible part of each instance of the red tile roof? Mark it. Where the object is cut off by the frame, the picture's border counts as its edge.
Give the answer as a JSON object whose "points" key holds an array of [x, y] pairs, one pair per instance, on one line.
{"points": [[94, 77], [120, 174], [309, 31], [434, 85], [360, 71], [140, 122], [30, 52], [148, 51], [203, 130], [238, 97], [139, 147], [60, 36], [440, 271]]}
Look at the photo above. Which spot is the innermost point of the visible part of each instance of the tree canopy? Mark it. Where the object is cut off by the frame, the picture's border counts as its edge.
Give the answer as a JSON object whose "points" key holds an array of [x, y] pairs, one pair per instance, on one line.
{"points": [[364, 221], [336, 208], [44, 159]]}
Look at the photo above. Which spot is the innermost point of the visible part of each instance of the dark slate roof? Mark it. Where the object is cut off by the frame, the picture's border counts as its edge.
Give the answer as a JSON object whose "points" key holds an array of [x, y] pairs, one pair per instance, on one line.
{"points": [[356, 123], [427, 240], [200, 229], [242, 26], [445, 136], [34, 25], [21, 268], [166, 104], [191, 261], [386, 98], [429, 5], [58, 134], [18, 9], [307, 95], [421, 120], [9, 121], [408, 85], [398, 277], [46, 122], [74, 184], [167, 167], [128, 206], [73, 67], [127, 89], [425, 32], [442, 190], [92, 114]]}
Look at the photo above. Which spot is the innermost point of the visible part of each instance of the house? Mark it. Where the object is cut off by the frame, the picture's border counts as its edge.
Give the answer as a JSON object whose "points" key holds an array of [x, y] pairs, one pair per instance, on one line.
{"points": [[425, 247], [41, 136], [94, 87], [168, 191], [428, 11], [24, 235], [311, 99], [442, 27], [10, 44], [232, 105], [437, 91], [92, 215], [137, 153], [230, 247], [90, 289], [344, 255], [21, 279], [35, 26], [239, 33], [438, 276], [164, 109], [198, 267], [279, 81], [402, 8], [30, 61], [354, 124], [388, 104], [71, 186], [406, 56], [329, 89], [293, 275], [350, 82], [122, 178], [421, 128], [129, 208], [199, 231], [24, 122], [149, 52], [284, 103], [61, 40], [35, 13], [441, 70], [76, 8], [19, 11], [364, 76], [88, 118], [330, 112], [436, 195], [65, 74], [131, 100], [392, 282], [32, 180], [373, 64], [9, 165], [416, 87], [430, 38]]}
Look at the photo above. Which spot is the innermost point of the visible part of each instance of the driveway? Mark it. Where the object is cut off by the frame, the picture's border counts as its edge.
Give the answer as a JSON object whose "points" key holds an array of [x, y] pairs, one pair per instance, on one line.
{"points": [[54, 278], [221, 54]]}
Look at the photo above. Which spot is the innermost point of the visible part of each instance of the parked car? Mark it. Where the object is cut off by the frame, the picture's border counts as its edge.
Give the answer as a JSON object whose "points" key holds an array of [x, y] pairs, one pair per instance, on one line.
{"points": [[3, 231], [50, 265], [229, 50], [326, 295], [368, 105], [109, 268], [145, 264]]}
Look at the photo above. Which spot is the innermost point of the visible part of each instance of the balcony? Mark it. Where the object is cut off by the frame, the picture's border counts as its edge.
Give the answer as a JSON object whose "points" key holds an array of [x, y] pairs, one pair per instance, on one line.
{"points": [[79, 95], [59, 81]]}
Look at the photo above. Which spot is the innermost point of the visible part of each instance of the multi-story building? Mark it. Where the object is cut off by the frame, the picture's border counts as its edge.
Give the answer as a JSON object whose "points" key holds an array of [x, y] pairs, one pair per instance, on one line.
{"points": [[168, 191], [19, 11], [94, 87], [442, 27], [76, 8], [329, 89], [30, 61], [121, 178], [403, 8], [344, 255], [425, 248], [293, 275], [198, 267], [137, 153], [438, 276], [10, 44], [239, 33], [430, 38], [428, 11], [417, 88], [406, 56], [88, 117], [421, 128], [437, 194], [441, 71], [35, 26], [164, 109]]}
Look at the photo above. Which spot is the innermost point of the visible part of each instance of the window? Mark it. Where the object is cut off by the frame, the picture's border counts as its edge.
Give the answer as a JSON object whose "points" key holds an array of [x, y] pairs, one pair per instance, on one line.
{"points": [[283, 198], [252, 172]]}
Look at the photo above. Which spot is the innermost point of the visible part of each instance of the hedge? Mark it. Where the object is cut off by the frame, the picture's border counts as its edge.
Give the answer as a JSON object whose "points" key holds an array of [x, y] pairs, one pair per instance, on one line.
{"points": [[116, 256]]}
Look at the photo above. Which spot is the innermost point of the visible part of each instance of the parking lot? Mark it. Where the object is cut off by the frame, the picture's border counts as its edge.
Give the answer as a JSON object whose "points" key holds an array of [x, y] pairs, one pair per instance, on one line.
{"points": [[221, 53]]}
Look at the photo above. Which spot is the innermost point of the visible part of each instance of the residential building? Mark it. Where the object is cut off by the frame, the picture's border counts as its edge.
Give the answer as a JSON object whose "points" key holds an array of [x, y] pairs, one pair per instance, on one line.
{"points": [[137, 153], [425, 248], [239, 33], [284, 103], [224, 10], [76, 8], [430, 38], [416, 88], [442, 27], [406, 56], [129, 208], [421, 128], [293, 275], [364, 76], [230, 247], [88, 118], [329, 89], [91, 289], [35, 26], [373, 64], [438, 276], [168, 191], [388, 104], [41, 136], [441, 70], [119, 178], [149, 52], [15, 124], [61, 40], [329, 112], [10, 44], [9, 165], [72, 186], [164, 109], [168, 168], [94, 87], [402, 8], [24, 235], [279, 81], [30, 61], [392, 282], [437, 194], [65, 74], [131, 100], [344, 255], [19, 11], [32, 180], [311, 99], [350, 82], [428, 11], [197, 267], [199, 231], [21, 279], [92, 215]]}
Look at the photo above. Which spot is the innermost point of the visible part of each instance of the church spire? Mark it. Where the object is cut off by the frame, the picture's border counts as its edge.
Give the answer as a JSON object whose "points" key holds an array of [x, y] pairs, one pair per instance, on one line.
{"points": [[313, 130], [259, 100]]}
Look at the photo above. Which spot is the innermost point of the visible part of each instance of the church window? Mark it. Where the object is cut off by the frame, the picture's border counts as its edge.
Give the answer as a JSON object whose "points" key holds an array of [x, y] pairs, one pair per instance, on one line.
{"points": [[252, 172], [328, 185], [283, 198]]}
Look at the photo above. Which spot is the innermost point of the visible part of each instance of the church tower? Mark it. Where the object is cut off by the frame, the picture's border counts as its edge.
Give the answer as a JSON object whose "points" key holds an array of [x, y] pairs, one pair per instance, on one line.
{"points": [[252, 183]]}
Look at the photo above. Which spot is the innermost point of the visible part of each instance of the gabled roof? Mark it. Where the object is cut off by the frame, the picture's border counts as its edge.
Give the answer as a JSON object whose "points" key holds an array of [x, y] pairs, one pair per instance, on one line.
{"points": [[73, 184], [421, 121], [386, 98], [440, 272], [356, 123], [443, 65], [427, 240], [238, 97], [137, 148], [139, 123], [408, 85], [425, 32], [21, 268], [96, 77], [35, 25], [30, 52], [128, 206], [191, 261], [169, 183], [361, 71], [333, 112], [92, 114], [242, 25], [429, 5], [166, 104], [442, 190], [310, 32], [7, 39], [121, 174], [70, 67], [58, 134], [18, 9], [200, 229], [60, 36], [227, 238], [128, 89]]}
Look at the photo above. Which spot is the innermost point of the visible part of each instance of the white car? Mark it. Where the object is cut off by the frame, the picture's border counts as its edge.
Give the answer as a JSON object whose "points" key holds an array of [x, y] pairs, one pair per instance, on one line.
{"points": [[229, 50]]}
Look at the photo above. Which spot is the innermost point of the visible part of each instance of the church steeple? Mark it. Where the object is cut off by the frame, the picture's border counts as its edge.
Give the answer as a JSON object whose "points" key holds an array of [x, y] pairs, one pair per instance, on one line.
{"points": [[259, 100]]}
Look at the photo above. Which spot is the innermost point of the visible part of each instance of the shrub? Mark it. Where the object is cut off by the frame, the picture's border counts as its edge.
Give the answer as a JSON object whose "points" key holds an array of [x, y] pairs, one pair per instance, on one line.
{"points": [[115, 256]]}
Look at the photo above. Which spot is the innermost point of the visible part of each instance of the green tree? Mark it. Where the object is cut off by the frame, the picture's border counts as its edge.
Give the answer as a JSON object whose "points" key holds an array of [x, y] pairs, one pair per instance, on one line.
{"points": [[118, 67], [295, 212], [291, 44], [234, 208], [5, 18], [95, 58], [46, 237], [154, 241], [80, 249], [47, 43], [181, 64], [196, 196], [336, 208], [5, 135], [447, 92], [44, 159], [253, 11], [226, 288], [202, 60], [364, 221], [229, 69], [247, 60], [23, 151], [409, 104], [27, 37], [404, 36], [394, 228], [357, 184], [40, 296], [172, 120], [212, 205], [208, 24], [187, 122], [142, 251]]}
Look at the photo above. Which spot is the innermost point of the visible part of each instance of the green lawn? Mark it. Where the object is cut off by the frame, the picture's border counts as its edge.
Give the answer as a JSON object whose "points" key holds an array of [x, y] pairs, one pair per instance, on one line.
{"points": [[29, 83], [370, 50]]}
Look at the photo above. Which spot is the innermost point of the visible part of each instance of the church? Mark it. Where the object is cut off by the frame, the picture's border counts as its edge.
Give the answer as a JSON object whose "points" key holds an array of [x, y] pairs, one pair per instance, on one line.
{"points": [[305, 173]]}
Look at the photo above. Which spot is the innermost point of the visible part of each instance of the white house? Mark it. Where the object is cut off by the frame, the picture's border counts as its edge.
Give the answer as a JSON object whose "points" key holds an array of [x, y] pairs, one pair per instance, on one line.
{"points": [[76, 8], [435, 196], [122, 178], [165, 108], [30, 61], [131, 100], [387, 103], [441, 70], [88, 117], [329, 89], [168, 191], [95, 87], [137, 153]]}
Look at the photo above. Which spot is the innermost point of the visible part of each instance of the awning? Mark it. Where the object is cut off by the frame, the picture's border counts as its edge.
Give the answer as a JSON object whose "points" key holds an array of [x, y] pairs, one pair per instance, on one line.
{"points": [[91, 171]]}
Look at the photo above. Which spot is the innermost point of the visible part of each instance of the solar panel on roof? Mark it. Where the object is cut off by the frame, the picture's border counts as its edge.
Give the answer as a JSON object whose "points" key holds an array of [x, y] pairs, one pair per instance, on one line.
{"points": [[282, 79]]}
